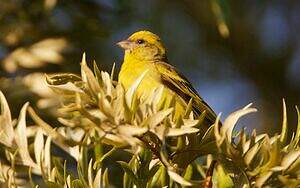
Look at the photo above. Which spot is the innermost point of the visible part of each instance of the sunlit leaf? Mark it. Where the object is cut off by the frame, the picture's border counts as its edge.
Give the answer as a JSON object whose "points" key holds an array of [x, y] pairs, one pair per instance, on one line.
{"points": [[129, 172], [6, 127], [181, 131], [38, 146], [35, 56], [179, 179], [231, 120], [221, 178], [290, 158], [157, 118], [21, 138], [131, 91], [283, 135]]}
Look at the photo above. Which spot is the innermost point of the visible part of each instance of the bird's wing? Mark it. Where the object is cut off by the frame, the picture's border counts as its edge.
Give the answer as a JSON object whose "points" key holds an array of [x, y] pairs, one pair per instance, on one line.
{"points": [[180, 85]]}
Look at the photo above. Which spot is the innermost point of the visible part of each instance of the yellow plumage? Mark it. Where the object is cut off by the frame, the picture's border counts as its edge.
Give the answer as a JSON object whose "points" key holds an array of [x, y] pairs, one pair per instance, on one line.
{"points": [[145, 51]]}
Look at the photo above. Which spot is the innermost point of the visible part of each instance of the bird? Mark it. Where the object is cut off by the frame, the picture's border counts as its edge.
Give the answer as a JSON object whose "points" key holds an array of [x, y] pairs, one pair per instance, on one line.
{"points": [[145, 53]]}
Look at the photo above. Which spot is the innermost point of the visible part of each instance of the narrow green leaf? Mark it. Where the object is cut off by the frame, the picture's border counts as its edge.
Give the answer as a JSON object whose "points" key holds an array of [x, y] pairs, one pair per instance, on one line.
{"points": [[297, 137], [127, 169], [97, 73], [188, 172], [189, 108], [105, 179], [283, 135], [78, 184], [153, 170], [106, 155], [112, 71], [53, 184], [221, 178], [179, 179]]}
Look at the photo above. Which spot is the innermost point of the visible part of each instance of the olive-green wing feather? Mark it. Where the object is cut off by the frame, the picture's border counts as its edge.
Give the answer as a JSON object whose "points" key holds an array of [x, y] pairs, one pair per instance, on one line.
{"points": [[180, 85]]}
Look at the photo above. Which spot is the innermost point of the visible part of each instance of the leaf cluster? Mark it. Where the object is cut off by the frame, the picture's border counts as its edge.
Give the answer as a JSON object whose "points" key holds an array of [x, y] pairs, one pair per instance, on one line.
{"points": [[98, 119]]}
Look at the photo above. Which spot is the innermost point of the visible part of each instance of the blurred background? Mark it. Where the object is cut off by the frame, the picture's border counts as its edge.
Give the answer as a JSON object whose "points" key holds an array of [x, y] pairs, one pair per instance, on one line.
{"points": [[234, 52]]}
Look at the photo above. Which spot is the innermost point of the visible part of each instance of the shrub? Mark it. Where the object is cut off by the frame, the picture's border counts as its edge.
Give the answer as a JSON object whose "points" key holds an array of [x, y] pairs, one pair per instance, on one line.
{"points": [[98, 121]]}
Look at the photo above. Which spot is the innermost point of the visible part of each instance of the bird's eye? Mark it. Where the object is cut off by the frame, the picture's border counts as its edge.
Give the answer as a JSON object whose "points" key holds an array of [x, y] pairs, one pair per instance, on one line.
{"points": [[140, 41]]}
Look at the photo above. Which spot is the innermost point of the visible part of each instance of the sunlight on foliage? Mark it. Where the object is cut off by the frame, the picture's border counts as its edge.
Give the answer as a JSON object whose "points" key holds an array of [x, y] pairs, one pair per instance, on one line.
{"points": [[37, 55], [96, 112]]}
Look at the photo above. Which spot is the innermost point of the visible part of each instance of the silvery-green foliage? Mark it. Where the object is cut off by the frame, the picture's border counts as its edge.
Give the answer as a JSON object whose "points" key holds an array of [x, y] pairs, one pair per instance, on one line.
{"points": [[97, 112]]}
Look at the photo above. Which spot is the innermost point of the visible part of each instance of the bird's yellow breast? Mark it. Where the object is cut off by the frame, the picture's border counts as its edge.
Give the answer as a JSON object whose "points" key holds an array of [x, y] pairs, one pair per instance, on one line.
{"points": [[132, 69]]}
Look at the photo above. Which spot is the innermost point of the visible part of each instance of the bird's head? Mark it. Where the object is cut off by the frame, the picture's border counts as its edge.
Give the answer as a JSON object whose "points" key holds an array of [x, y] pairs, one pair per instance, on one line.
{"points": [[144, 45]]}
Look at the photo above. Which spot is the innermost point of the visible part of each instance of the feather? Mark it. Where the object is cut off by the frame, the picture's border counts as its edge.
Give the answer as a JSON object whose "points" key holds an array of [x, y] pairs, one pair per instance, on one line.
{"points": [[176, 82]]}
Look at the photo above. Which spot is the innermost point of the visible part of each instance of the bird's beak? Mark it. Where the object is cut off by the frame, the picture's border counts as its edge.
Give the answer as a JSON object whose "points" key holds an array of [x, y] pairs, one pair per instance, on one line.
{"points": [[125, 44]]}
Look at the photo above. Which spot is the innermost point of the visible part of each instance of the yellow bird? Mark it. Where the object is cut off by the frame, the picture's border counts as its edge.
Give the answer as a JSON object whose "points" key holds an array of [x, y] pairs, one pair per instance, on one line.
{"points": [[144, 51]]}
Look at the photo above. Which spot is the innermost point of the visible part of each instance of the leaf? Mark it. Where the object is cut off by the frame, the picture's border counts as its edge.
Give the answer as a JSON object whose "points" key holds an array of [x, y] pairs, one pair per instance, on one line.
{"points": [[220, 10], [231, 120], [221, 178], [107, 83], [190, 123], [78, 184], [283, 135], [157, 95], [38, 146], [81, 175], [289, 182], [188, 172], [208, 136], [250, 154], [66, 89], [156, 176], [97, 73], [39, 54], [21, 139], [83, 74], [179, 179], [290, 158], [297, 137], [105, 179], [106, 155], [263, 177], [189, 108], [53, 184], [128, 130], [90, 173], [97, 181], [155, 119], [181, 131], [217, 134], [68, 182], [47, 153], [48, 50], [127, 169], [6, 128], [89, 78], [131, 91], [56, 137], [62, 78], [37, 84], [153, 170], [112, 72], [114, 140]]}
